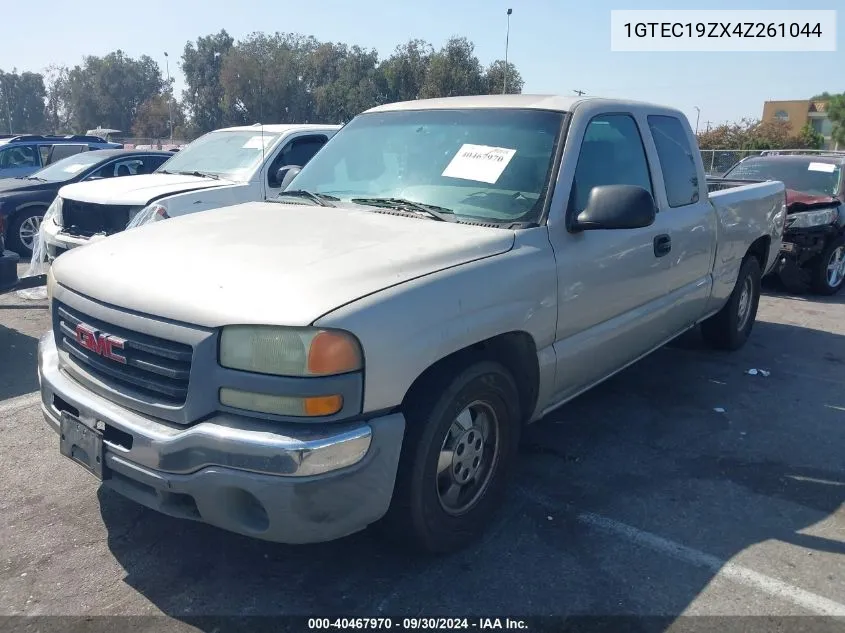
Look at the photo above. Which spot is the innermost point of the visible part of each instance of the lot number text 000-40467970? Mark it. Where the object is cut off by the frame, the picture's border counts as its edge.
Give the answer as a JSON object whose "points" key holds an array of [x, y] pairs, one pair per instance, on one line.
{"points": [[723, 31]]}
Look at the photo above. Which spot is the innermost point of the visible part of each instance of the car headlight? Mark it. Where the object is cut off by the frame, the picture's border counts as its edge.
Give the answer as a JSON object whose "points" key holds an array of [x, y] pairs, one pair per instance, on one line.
{"points": [[151, 213], [289, 351], [51, 283], [809, 219], [54, 212]]}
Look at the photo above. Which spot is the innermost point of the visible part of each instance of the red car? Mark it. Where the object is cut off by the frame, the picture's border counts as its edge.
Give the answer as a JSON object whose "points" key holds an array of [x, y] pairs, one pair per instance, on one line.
{"points": [[813, 251]]}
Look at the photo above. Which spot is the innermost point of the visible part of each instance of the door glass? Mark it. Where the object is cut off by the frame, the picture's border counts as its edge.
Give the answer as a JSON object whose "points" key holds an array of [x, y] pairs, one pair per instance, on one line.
{"points": [[680, 173], [612, 153]]}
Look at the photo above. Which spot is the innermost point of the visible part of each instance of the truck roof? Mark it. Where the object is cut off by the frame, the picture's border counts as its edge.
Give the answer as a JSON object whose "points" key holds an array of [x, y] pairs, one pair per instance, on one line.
{"points": [[280, 129], [557, 103]]}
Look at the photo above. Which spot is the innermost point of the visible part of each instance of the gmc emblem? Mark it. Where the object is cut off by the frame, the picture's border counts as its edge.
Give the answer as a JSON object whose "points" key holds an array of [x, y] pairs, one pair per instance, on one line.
{"points": [[100, 343]]}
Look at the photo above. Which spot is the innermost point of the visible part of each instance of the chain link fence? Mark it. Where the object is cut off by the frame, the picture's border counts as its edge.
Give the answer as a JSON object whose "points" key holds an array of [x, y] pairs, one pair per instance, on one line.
{"points": [[718, 161], [152, 143]]}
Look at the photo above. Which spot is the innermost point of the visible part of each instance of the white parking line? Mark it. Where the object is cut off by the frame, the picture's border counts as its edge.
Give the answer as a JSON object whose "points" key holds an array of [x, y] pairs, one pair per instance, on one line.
{"points": [[19, 402], [777, 588]]}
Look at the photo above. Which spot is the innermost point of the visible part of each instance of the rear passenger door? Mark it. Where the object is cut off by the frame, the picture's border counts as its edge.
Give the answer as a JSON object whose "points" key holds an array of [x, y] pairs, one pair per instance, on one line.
{"points": [[686, 216]]}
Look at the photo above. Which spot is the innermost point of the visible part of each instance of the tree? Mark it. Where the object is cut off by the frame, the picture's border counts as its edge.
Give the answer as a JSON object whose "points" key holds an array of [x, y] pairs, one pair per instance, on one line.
{"points": [[22, 98], [202, 64], [59, 114], [404, 72], [494, 78], [153, 118], [809, 138], [836, 112], [107, 91], [454, 70]]}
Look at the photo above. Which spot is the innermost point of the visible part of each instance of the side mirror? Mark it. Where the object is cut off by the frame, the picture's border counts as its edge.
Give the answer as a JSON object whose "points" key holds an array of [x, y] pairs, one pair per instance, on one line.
{"points": [[285, 174], [616, 207]]}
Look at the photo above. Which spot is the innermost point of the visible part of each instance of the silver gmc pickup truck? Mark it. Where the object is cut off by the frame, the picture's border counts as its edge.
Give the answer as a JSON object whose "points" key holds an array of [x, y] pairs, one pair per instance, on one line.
{"points": [[366, 348]]}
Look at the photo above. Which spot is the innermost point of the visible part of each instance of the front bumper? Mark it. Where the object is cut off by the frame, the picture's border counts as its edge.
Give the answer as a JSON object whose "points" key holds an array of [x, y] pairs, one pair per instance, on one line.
{"points": [[58, 242], [289, 483], [801, 245]]}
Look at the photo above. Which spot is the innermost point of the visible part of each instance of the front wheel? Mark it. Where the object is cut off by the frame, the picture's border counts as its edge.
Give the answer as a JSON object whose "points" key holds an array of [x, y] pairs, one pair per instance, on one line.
{"points": [[829, 269], [23, 231], [461, 437], [730, 328]]}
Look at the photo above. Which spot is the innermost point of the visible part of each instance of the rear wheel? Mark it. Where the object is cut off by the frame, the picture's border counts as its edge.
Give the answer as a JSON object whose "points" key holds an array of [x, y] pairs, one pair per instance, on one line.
{"points": [[23, 231], [730, 328], [828, 272], [461, 438]]}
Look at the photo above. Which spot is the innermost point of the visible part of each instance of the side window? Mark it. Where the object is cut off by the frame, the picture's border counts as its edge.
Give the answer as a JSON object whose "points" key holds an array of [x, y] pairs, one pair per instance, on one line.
{"points": [[151, 163], [676, 160], [20, 156], [44, 150], [297, 152], [612, 153]]}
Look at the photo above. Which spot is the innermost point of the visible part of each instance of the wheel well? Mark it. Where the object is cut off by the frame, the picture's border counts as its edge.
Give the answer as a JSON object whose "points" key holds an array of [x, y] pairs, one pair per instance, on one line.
{"points": [[760, 249], [516, 351]]}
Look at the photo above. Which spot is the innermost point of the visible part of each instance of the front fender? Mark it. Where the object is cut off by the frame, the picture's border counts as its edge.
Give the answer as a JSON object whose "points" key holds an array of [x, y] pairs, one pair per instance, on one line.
{"points": [[405, 329]]}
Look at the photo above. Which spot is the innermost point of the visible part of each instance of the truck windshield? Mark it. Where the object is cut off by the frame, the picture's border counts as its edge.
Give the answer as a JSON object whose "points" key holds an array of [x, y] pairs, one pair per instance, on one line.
{"points": [[806, 176], [228, 154], [489, 165]]}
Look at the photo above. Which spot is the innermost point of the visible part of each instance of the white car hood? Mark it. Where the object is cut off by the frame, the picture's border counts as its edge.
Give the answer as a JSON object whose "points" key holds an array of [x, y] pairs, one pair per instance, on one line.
{"points": [[136, 190], [268, 263]]}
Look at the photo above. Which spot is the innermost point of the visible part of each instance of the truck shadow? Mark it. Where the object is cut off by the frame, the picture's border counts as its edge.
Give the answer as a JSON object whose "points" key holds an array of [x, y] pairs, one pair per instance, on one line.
{"points": [[647, 449]]}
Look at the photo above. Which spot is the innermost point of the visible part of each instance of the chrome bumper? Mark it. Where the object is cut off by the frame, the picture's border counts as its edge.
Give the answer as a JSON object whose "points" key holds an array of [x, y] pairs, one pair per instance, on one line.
{"points": [[308, 482]]}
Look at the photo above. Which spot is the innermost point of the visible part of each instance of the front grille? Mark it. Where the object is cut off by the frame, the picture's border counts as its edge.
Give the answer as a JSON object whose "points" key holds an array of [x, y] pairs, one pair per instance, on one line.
{"points": [[87, 218], [156, 370]]}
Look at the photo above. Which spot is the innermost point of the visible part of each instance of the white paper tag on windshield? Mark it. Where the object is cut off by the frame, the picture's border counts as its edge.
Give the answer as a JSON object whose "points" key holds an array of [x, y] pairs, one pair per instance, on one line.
{"points": [[479, 162], [72, 169], [825, 167], [255, 142]]}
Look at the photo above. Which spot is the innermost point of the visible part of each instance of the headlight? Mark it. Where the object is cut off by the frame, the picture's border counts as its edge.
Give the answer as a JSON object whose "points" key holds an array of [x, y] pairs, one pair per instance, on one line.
{"points": [[289, 351], [51, 283], [150, 213], [809, 219], [54, 212]]}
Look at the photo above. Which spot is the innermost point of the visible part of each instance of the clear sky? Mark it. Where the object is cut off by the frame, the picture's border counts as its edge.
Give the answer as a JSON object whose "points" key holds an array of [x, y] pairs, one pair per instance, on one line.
{"points": [[558, 45]]}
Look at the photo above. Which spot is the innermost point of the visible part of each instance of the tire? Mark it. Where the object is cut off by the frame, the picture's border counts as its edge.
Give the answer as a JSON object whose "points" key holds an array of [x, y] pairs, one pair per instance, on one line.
{"points": [[731, 326], [423, 514], [24, 221], [825, 279]]}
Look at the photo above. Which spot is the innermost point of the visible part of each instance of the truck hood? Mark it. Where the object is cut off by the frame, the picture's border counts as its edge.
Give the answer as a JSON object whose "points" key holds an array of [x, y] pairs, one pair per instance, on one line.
{"points": [[137, 190], [799, 201], [266, 263]]}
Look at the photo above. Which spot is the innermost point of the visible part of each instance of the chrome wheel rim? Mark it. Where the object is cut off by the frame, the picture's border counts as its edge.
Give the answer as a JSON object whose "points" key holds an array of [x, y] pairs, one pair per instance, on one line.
{"points": [[28, 231], [468, 458], [744, 307], [836, 267]]}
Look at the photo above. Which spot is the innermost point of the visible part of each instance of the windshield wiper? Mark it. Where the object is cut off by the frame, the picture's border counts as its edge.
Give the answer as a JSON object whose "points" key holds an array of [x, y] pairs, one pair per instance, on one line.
{"points": [[318, 198], [433, 211], [200, 174], [36, 178]]}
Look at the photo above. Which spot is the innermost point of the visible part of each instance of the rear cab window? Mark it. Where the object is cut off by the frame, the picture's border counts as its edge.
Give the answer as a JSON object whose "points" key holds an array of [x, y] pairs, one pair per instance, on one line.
{"points": [[677, 162]]}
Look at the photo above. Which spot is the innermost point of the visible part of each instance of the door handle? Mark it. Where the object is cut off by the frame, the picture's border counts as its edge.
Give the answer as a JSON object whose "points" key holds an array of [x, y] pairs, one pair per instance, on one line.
{"points": [[662, 245]]}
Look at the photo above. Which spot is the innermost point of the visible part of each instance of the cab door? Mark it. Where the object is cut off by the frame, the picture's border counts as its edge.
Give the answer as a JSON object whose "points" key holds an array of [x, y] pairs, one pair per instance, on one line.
{"points": [[296, 151], [614, 289]]}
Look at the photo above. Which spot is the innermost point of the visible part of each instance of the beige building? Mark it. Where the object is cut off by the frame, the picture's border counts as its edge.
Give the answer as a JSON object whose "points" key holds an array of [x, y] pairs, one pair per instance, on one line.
{"points": [[799, 113]]}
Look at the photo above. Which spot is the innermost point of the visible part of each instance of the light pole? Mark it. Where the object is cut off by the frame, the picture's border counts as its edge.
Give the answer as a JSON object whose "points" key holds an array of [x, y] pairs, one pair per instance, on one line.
{"points": [[697, 117], [169, 100], [507, 41], [8, 108]]}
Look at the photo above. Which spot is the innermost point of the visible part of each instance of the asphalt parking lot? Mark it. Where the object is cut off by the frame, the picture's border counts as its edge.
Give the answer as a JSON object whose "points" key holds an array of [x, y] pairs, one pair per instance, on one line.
{"points": [[683, 485]]}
